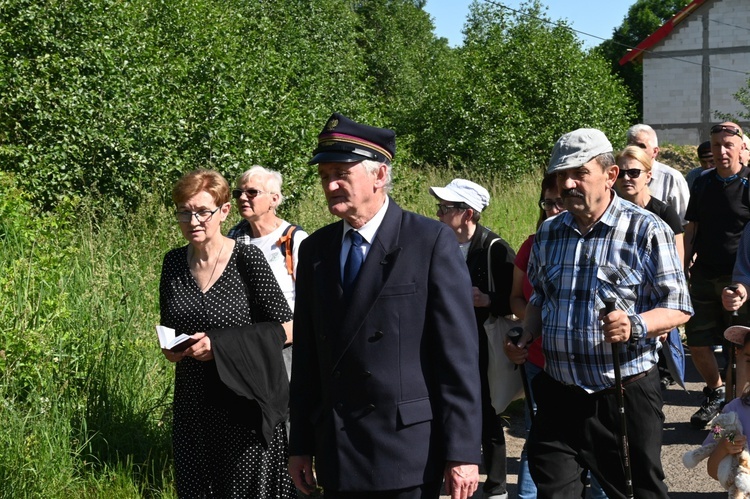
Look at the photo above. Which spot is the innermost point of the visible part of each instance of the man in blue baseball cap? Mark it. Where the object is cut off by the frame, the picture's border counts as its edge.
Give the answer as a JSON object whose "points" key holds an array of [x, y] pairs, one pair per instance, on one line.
{"points": [[385, 386]]}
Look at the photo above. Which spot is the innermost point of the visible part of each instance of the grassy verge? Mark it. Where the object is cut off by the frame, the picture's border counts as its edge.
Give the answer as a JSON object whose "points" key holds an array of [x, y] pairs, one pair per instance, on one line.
{"points": [[84, 391]]}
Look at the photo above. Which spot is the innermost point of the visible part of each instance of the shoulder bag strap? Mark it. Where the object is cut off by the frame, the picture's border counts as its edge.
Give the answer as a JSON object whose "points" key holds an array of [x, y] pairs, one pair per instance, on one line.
{"points": [[285, 245], [490, 279]]}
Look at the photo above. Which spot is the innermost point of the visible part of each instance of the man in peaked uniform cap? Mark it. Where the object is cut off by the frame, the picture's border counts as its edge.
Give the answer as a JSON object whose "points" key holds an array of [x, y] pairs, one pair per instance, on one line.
{"points": [[385, 384]]}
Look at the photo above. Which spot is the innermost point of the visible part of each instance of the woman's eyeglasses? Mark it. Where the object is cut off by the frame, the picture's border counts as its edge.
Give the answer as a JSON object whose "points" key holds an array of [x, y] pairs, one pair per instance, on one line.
{"points": [[632, 173], [548, 204], [202, 216], [250, 193]]}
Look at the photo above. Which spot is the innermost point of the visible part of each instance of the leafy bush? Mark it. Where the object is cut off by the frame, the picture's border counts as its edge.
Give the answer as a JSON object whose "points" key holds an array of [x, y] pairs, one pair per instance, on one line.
{"points": [[120, 98], [117, 97], [524, 83]]}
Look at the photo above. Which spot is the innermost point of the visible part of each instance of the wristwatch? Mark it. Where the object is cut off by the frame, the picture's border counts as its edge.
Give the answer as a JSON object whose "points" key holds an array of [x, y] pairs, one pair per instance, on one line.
{"points": [[637, 328]]}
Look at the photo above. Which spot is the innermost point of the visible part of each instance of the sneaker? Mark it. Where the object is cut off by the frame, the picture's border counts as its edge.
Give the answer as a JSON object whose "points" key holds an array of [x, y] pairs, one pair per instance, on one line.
{"points": [[709, 408]]}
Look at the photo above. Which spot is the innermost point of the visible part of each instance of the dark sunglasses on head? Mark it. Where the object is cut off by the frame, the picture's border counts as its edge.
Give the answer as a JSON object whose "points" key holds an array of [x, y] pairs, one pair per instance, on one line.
{"points": [[251, 193], [632, 173], [732, 130]]}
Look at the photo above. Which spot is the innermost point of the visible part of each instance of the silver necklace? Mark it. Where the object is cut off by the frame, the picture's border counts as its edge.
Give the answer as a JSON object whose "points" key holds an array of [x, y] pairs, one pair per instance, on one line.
{"points": [[216, 264]]}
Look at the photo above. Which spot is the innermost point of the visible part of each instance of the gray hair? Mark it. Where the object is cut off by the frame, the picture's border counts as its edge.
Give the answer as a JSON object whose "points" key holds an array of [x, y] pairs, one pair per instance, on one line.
{"points": [[605, 160], [272, 180], [640, 128], [371, 166]]}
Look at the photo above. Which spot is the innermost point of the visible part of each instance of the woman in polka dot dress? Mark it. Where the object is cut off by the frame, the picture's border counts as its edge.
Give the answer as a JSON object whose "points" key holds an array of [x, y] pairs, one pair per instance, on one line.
{"points": [[210, 284]]}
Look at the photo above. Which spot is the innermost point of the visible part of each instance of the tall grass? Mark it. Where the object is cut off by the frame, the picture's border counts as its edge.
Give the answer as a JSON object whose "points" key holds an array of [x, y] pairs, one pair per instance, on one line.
{"points": [[85, 393], [512, 212]]}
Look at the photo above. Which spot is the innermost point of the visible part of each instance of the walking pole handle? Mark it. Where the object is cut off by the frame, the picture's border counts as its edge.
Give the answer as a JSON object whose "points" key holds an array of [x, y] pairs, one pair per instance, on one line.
{"points": [[514, 334], [734, 288]]}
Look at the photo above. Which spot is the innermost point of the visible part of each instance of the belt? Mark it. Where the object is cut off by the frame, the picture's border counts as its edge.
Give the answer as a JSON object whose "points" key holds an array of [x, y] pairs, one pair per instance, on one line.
{"points": [[628, 380], [607, 391]]}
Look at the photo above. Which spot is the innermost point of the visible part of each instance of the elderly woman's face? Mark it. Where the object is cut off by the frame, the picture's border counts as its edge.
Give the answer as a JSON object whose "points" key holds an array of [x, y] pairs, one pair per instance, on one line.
{"points": [[256, 201], [200, 218]]}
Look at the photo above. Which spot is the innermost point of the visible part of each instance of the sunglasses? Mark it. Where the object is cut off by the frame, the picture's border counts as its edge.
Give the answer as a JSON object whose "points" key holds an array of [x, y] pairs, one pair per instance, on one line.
{"points": [[548, 204], [250, 193], [732, 130], [632, 173], [444, 208]]}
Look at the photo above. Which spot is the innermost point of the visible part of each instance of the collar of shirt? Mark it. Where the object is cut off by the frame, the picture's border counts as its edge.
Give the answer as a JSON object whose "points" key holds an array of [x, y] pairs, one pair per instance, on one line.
{"points": [[368, 232], [609, 217]]}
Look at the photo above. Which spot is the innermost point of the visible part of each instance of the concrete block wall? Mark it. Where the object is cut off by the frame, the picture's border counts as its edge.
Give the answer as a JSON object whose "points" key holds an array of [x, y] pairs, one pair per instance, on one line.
{"points": [[681, 136], [688, 35], [724, 84], [671, 90], [728, 23], [673, 76]]}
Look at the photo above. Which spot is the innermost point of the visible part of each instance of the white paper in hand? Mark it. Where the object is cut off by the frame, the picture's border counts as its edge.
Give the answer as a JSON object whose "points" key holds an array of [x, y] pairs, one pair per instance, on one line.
{"points": [[168, 341]]}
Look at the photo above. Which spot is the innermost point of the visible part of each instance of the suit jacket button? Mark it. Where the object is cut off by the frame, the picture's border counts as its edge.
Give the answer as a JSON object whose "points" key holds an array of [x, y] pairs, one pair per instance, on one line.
{"points": [[339, 406], [336, 374], [370, 407], [366, 374], [375, 337], [323, 337]]}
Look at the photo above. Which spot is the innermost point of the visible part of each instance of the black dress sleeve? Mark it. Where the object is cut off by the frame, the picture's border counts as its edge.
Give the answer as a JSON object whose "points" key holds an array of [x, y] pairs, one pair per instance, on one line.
{"points": [[266, 299]]}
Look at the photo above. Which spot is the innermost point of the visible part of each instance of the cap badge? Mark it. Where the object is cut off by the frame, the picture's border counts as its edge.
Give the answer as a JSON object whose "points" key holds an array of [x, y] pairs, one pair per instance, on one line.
{"points": [[332, 124]]}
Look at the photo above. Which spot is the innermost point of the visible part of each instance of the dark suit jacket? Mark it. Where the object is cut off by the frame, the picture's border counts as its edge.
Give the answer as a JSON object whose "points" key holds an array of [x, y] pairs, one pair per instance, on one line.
{"points": [[385, 387]]}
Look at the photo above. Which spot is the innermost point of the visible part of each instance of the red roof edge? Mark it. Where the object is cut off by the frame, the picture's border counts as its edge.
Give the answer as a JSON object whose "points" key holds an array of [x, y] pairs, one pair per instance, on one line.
{"points": [[661, 33]]}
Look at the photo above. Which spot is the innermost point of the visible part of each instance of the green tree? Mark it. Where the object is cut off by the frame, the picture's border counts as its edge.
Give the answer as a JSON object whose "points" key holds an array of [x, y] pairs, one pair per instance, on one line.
{"points": [[405, 62], [644, 17], [121, 97], [524, 83]]}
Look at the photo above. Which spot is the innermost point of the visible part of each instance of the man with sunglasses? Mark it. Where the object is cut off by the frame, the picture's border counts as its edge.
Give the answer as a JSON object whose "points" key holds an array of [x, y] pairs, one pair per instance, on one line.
{"points": [[667, 184], [601, 249], [718, 211], [460, 205]]}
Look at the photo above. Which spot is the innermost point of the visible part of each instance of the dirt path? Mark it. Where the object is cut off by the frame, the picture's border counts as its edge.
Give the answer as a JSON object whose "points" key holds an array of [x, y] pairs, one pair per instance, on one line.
{"points": [[679, 437]]}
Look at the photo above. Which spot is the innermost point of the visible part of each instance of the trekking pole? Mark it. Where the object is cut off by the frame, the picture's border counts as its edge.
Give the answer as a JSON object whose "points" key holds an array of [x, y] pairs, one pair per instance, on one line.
{"points": [[609, 306], [514, 335], [732, 360]]}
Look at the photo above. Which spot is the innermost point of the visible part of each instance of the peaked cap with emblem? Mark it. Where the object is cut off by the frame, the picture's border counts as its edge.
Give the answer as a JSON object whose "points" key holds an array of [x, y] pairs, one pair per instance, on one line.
{"points": [[345, 141]]}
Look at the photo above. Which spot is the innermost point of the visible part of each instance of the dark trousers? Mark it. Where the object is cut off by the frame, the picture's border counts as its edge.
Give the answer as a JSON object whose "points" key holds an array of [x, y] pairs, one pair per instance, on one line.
{"points": [[493, 434], [573, 430], [429, 490]]}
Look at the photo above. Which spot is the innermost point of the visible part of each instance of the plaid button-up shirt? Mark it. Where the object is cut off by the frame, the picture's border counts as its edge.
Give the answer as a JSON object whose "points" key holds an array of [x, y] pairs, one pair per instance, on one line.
{"points": [[629, 255]]}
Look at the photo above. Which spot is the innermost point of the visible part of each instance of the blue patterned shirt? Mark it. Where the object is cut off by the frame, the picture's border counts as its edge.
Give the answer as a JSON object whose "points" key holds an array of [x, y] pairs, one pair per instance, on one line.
{"points": [[630, 255]]}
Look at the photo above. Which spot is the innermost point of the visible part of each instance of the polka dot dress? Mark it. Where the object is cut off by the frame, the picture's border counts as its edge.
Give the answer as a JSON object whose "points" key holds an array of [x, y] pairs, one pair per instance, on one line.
{"points": [[215, 454]]}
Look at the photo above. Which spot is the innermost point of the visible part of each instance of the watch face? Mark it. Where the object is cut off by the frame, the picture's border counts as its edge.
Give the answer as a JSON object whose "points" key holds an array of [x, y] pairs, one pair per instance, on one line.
{"points": [[636, 329]]}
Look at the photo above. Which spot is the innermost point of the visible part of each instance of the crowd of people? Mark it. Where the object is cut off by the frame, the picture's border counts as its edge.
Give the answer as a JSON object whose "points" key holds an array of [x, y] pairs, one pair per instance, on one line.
{"points": [[385, 393]]}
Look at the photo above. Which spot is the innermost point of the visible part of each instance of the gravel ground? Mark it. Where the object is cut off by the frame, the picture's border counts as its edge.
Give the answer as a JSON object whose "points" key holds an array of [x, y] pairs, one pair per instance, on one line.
{"points": [[679, 437]]}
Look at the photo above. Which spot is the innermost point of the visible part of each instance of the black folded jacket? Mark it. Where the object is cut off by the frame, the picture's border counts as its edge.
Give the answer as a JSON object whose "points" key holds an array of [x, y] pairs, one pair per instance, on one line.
{"points": [[250, 363]]}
